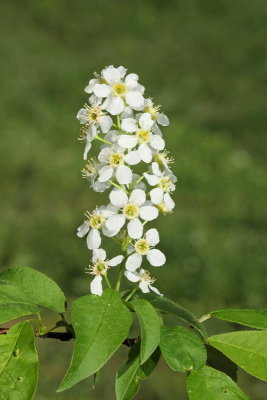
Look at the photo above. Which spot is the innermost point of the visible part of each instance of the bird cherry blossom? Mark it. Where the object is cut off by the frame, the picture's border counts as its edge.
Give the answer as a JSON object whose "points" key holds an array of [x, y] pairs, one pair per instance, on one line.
{"points": [[130, 209], [144, 279]]}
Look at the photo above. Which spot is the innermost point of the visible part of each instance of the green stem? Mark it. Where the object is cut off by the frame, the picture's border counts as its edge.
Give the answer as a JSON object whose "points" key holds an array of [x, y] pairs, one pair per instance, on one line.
{"points": [[108, 283], [118, 283], [139, 180], [117, 186], [102, 140], [132, 293], [119, 122]]}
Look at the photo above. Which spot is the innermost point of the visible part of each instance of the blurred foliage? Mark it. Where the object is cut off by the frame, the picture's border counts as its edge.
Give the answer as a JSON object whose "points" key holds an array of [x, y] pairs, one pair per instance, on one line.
{"points": [[205, 62]]}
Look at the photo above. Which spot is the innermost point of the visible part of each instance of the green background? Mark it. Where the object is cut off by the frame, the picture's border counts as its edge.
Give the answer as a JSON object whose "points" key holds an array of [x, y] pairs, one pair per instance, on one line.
{"points": [[205, 63]]}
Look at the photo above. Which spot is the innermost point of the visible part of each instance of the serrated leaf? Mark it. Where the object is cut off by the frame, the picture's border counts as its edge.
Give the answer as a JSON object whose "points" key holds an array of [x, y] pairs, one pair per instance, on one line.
{"points": [[101, 324], [210, 384], [18, 363], [252, 318], [14, 302], [218, 360], [182, 349], [248, 349], [167, 306], [129, 375], [43, 290], [150, 327]]}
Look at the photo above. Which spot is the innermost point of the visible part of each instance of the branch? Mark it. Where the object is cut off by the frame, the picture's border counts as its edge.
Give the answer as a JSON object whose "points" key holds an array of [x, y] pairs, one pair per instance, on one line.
{"points": [[66, 336]]}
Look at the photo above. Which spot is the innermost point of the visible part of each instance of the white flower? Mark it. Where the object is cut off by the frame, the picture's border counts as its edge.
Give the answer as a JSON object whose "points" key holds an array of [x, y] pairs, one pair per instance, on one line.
{"points": [[164, 183], [90, 173], [96, 221], [144, 279], [113, 159], [99, 269], [143, 247], [147, 141], [132, 208], [93, 117], [117, 90], [156, 115]]}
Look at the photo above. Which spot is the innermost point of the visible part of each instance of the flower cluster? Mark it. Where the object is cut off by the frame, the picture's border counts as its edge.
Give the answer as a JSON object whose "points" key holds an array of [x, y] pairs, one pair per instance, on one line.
{"points": [[128, 128]]}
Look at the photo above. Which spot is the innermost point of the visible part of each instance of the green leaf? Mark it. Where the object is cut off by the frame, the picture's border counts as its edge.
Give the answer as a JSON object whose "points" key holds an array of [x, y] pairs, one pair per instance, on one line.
{"points": [[167, 306], [150, 327], [182, 349], [219, 361], [18, 363], [43, 290], [252, 318], [129, 375], [248, 349], [14, 302], [210, 384], [101, 324]]}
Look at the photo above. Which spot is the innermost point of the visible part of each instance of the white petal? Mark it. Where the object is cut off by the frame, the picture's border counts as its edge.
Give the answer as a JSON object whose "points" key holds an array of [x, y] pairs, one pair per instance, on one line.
{"points": [[96, 285], [131, 80], [144, 287], [134, 99], [107, 232], [135, 228], [105, 173], [155, 290], [88, 146], [145, 121], [122, 71], [127, 113], [156, 257], [148, 213], [111, 74], [118, 198], [127, 141], [152, 236], [145, 152], [115, 106], [90, 87], [115, 222], [137, 197], [99, 254], [163, 120], [151, 179], [115, 261], [100, 186], [104, 154], [93, 239], [156, 195], [131, 276], [133, 262], [124, 175], [157, 142], [105, 123], [102, 90], [169, 203], [133, 157], [128, 125], [83, 230]]}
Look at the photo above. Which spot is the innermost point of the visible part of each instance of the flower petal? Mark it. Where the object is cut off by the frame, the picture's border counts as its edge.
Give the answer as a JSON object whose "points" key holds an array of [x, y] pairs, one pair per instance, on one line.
{"points": [[156, 195], [151, 179], [115, 222], [131, 276], [156, 170], [101, 90], [105, 123], [105, 173], [156, 257], [115, 106], [115, 261], [93, 239], [145, 152], [127, 124], [83, 230], [99, 254], [163, 120], [148, 213], [152, 236], [133, 157], [133, 262], [90, 87], [157, 142], [111, 74], [124, 175], [88, 146], [135, 228], [169, 203], [144, 287], [96, 285], [137, 197], [131, 80], [134, 99], [145, 121], [118, 198], [155, 290], [127, 141]]}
